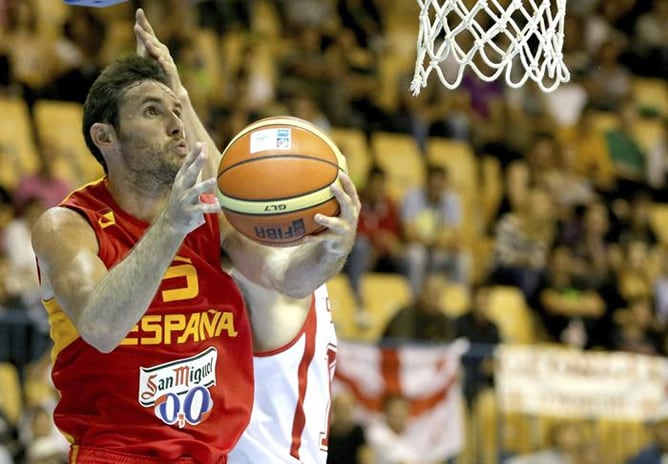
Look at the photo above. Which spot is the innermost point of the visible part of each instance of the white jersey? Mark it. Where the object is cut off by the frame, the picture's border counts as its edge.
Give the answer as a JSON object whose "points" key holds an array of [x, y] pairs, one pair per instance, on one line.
{"points": [[290, 418]]}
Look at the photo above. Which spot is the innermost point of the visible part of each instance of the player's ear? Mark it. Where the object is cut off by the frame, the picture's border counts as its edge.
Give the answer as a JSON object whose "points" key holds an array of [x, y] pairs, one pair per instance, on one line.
{"points": [[102, 134]]}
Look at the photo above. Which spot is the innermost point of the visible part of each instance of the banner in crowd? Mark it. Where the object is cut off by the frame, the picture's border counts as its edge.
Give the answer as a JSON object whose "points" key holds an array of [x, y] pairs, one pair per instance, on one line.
{"points": [[566, 382], [425, 375]]}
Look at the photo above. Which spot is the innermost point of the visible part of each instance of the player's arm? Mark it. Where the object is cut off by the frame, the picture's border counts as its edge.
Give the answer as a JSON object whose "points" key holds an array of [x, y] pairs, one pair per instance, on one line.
{"points": [[298, 271], [104, 305], [148, 44]]}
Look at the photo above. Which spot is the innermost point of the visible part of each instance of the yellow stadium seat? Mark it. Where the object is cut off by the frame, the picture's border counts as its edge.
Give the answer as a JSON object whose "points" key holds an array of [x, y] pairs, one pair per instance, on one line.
{"points": [[353, 144], [651, 94], [622, 439], [458, 158], [491, 188], [509, 311], [383, 295], [484, 426], [266, 21], [648, 133], [11, 398], [604, 121], [58, 124], [399, 155], [391, 70], [659, 221], [18, 154], [342, 302]]}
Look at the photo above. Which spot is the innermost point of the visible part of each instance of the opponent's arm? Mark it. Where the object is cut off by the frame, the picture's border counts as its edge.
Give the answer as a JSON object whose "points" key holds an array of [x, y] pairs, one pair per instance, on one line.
{"points": [[149, 45], [104, 304], [298, 271]]}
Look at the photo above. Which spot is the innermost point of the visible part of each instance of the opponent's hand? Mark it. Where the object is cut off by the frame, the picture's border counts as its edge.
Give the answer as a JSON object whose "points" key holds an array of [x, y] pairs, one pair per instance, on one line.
{"points": [[340, 234], [188, 201], [149, 45]]}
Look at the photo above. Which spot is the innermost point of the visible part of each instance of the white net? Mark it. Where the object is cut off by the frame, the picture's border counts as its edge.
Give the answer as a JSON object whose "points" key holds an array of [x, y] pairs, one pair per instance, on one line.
{"points": [[522, 39]]}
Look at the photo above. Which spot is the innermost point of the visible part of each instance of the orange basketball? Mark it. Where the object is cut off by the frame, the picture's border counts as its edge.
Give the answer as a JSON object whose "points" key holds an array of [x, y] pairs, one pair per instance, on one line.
{"points": [[275, 175]]}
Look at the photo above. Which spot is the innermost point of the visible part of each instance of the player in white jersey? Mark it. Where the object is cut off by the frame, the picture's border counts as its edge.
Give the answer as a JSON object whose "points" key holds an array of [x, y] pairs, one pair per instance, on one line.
{"points": [[295, 354]]}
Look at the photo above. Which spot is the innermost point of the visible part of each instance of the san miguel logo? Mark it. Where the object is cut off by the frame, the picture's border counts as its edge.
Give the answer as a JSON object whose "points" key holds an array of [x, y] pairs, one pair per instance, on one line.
{"points": [[178, 391]]}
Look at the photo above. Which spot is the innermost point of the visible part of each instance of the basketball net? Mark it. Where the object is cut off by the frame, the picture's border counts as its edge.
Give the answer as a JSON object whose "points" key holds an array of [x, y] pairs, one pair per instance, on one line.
{"points": [[521, 38]]}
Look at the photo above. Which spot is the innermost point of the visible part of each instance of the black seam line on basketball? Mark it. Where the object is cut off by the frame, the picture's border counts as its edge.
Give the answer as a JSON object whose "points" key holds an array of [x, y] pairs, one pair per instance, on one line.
{"points": [[287, 155], [277, 213], [276, 200]]}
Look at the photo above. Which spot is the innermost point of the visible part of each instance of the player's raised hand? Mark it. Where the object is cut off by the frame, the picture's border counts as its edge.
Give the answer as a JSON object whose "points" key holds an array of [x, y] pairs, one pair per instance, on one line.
{"points": [[149, 45], [186, 207], [340, 234]]}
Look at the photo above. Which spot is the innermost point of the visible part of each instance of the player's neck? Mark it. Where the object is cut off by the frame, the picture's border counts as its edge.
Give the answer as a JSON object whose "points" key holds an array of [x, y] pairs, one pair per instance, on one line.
{"points": [[143, 204]]}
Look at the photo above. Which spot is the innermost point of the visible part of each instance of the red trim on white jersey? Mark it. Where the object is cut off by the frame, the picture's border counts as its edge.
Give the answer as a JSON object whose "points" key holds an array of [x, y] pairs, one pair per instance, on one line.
{"points": [[289, 381], [299, 421]]}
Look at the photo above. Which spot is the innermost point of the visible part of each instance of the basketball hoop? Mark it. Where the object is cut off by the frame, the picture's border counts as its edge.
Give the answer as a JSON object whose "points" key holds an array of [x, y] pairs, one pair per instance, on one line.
{"points": [[521, 38]]}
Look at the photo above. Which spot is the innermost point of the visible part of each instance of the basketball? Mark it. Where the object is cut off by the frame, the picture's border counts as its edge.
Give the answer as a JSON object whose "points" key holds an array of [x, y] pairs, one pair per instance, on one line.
{"points": [[275, 175]]}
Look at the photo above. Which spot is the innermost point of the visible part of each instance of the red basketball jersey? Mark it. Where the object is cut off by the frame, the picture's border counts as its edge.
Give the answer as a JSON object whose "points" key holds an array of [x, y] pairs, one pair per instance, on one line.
{"points": [[181, 383]]}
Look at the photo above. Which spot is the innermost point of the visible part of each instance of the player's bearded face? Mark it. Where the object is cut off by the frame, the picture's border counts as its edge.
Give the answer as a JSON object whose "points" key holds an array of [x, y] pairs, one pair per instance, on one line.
{"points": [[151, 134], [152, 161]]}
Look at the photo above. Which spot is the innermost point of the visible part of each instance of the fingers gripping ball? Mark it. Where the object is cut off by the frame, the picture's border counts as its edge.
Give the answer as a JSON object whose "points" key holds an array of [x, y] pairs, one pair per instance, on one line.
{"points": [[275, 175]]}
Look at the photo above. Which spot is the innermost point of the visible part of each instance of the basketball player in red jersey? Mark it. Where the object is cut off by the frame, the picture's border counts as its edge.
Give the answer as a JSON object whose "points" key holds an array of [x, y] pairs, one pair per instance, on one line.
{"points": [[294, 360], [152, 346]]}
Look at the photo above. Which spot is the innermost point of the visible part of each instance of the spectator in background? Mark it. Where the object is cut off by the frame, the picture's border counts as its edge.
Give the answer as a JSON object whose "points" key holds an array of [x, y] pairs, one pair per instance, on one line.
{"points": [[431, 217], [651, 40], [423, 319], [303, 106], [522, 242], [379, 241], [6, 214], [436, 111], [305, 68], [590, 151], [357, 103], [571, 312], [387, 435], [569, 187], [538, 168], [30, 55], [43, 443], [636, 225], [8, 445], [44, 185], [588, 238], [77, 55], [636, 328], [364, 19], [566, 443], [23, 280], [660, 287], [628, 157], [303, 14], [635, 271], [347, 442], [657, 165], [223, 16], [477, 327], [609, 81]]}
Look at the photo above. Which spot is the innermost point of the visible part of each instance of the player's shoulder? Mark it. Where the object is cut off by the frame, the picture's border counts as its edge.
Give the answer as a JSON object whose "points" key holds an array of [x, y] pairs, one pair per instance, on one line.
{"points": [[57, 222], [57, 218]]}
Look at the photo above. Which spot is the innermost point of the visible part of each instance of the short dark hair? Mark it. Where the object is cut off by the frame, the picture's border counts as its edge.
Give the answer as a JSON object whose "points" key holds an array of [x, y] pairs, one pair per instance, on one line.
{"points": [[103, 98], [376, 171], [434, 169]]}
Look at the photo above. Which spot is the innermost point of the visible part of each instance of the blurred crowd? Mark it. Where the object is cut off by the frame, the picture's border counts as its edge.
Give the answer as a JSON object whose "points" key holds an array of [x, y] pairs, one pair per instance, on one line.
{"points": [[580, 172]]}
